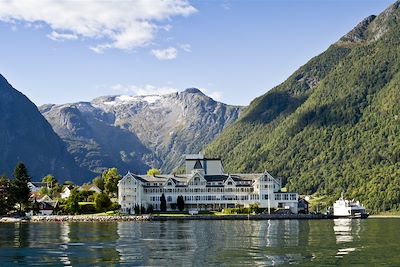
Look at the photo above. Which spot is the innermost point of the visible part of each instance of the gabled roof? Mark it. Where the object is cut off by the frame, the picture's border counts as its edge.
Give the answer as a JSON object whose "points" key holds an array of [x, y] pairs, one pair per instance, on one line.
{"points": [[134, 176], [230, 179], [38, 184], [46, 198], [198, 165], [70, 187], [170, 180], [89, 187], [207, 159], [196, 175]]}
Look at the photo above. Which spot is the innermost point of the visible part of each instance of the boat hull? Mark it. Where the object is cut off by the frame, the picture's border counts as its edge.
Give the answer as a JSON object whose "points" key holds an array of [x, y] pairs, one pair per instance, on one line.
{"points": [[355, 216]]}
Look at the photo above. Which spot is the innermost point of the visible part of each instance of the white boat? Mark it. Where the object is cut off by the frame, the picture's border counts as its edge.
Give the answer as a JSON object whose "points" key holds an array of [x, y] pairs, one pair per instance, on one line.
{"points": [[348, 209]]}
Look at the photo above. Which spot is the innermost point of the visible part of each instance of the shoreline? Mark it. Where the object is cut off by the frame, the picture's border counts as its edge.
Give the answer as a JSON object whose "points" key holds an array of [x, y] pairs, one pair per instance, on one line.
{"points": [[166, 217], [141, 218]]}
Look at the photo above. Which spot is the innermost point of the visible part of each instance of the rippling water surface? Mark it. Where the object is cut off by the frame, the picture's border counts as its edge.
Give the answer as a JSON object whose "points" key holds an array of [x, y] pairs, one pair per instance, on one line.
{"points": [[371, 242]]}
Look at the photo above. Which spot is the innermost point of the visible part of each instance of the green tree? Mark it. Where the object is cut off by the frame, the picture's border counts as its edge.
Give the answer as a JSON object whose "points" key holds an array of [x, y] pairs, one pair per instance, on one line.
{"points": [[85, 195], [99, 182], [35, 207], [137, 209], [55, 191], [102, 202], [111, 178], [153, 172], [163, 203], [19, 187], [44, 191], [180, 203], [150, 208], [72, 203], [6, 201], [49, 180]]}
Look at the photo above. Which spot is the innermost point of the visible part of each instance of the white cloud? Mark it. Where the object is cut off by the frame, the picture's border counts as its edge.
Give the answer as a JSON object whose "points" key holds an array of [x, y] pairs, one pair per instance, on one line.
{"points": [[143, 90], [55, 36], [186, 47], [111, 24], [165, 54]]}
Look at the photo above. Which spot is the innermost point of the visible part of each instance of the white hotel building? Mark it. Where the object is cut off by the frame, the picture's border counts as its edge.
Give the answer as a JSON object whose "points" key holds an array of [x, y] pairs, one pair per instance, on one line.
{"points": [[204, 187]]}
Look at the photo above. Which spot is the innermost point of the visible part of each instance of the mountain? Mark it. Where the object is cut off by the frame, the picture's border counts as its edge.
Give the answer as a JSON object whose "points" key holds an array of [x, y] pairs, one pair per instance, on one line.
{"points": [[139, 132], [26, 136], [332, 126]]}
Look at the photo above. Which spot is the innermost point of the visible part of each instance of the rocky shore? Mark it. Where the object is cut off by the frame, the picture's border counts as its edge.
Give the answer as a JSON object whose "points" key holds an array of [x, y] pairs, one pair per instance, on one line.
{"points": [[75, 218], [125, 218]]}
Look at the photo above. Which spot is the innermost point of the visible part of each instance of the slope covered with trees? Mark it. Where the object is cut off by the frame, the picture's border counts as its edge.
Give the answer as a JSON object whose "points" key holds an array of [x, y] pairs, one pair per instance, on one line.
{"points": [[26, 136], [334, 125]]}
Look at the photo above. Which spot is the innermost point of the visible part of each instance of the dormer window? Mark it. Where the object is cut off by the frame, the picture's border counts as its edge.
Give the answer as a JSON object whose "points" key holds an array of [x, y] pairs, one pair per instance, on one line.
{"points": [[169, 184], [229, 183]]}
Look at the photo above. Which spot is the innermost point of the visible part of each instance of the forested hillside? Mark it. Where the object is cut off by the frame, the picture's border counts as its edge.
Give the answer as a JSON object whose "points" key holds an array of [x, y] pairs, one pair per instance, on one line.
{"points": [[334, 125], [26, 136]]}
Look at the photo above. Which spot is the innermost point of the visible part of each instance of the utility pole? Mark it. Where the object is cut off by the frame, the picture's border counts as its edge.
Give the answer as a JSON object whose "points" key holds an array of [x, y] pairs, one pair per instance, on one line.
{"points": [[269, 198]]}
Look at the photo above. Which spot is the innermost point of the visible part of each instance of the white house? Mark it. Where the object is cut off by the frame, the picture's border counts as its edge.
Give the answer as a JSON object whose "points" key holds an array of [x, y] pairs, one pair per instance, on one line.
{"points": [[45, 206], [66, 191], [204, 187], [90, 188]]}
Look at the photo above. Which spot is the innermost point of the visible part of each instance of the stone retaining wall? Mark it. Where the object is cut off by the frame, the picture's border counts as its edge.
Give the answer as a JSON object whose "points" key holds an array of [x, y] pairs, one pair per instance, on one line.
{"points": [[87, 218], [97, 218]]}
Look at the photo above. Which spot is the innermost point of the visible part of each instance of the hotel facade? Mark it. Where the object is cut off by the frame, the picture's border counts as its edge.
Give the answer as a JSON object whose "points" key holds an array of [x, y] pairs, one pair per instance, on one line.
{"points": [[205, 186]]}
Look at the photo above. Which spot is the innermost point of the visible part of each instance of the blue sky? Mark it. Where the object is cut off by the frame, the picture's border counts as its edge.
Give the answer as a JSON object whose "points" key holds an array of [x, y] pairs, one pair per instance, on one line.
{"points": [[69, 51]]}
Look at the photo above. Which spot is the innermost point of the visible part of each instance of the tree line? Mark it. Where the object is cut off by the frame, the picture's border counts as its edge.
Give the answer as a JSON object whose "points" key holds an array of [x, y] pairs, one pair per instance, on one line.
{"points": [[17, 199]]}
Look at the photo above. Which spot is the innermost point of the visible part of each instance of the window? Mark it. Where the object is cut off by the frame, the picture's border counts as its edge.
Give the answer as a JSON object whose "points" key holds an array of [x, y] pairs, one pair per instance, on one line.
{"points": [[286, 197], [169, 199]]}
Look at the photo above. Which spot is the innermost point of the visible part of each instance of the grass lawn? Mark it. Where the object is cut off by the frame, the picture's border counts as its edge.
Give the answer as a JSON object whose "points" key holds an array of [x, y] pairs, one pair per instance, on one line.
{"points": [[108, 213], [170, 214], [386, 214], [86, 203]]}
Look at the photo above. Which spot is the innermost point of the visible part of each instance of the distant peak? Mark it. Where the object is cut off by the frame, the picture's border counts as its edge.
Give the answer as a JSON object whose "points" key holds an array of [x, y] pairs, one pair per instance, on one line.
{"points": [[396, 5], [359, 33], [193, 91]]}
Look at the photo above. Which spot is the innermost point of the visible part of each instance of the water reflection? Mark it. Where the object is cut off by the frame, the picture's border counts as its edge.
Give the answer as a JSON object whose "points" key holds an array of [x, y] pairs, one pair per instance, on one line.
{"points": [[200, 243], [347, 231], [65, 229]]}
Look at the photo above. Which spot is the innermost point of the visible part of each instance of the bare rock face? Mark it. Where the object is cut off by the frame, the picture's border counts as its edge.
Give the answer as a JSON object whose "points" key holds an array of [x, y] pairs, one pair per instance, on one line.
{"points": [[373, 27], [26, 136], [359, 33], [138, 132]]}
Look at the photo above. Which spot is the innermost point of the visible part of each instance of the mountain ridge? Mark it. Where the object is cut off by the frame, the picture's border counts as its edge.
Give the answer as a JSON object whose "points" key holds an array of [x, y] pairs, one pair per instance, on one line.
{"points": [[161, 128], [331, 134], [26, 136]]}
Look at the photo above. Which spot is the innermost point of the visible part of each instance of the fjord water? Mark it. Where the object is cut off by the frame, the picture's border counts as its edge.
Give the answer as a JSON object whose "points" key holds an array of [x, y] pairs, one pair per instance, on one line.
{"points": [[343, 242]]}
